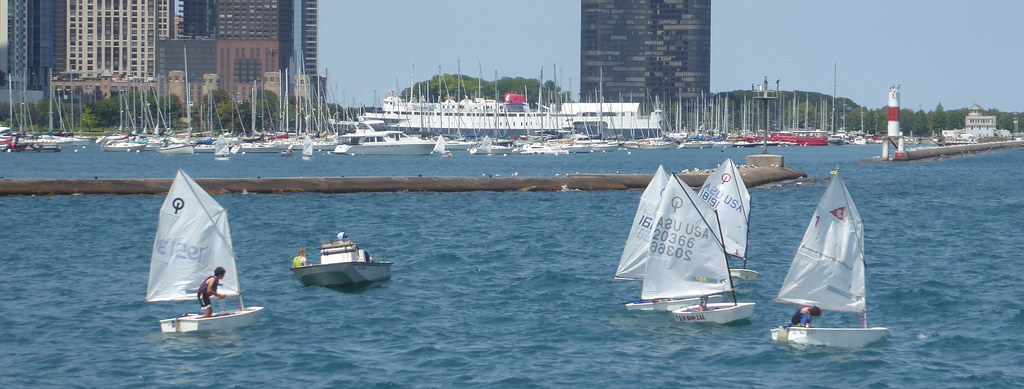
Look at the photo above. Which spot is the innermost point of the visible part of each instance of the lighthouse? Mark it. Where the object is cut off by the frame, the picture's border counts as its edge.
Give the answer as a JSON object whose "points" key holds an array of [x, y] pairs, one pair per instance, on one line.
{"points": [[893, 135]]}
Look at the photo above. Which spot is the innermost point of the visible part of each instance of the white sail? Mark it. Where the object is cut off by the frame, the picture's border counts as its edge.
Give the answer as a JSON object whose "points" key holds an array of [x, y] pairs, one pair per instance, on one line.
{"points": [[307, 148], [725, 191], [634, 255], [192, 239], [485, 146], [220, 147], [828, 269], [439, 146], [685, 256]]}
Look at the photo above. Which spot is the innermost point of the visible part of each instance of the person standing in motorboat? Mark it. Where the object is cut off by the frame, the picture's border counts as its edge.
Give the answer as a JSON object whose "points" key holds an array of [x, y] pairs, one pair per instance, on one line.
{"points": [[209, 288], [299, 260], [802, 317]]}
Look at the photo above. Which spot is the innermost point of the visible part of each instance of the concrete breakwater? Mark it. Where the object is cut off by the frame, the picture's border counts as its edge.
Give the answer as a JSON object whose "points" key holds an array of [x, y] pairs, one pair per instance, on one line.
{"points": [[930, 153], [751, 176]]}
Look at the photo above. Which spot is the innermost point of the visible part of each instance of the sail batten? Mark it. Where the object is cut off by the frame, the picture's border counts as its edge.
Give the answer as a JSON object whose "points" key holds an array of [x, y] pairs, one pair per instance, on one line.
{"points": [[828, 268], [192, 239]]}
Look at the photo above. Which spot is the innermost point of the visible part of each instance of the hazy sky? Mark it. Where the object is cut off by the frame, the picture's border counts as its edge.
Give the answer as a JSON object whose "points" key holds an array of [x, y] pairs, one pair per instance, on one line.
{"points": [[957, 53]]}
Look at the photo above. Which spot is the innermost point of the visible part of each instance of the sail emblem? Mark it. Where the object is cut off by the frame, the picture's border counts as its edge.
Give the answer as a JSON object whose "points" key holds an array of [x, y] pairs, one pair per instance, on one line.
{"points": [[726, 177], [839, 213], [677, 202], [178, 204]]}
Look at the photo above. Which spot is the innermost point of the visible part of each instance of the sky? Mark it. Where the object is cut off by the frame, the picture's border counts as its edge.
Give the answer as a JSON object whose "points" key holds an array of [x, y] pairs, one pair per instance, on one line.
{"points": [[954, 53]]}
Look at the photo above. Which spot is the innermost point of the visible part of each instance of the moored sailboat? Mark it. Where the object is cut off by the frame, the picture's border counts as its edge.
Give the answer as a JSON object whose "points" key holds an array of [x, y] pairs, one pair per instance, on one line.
{"points": [[828, 272]]}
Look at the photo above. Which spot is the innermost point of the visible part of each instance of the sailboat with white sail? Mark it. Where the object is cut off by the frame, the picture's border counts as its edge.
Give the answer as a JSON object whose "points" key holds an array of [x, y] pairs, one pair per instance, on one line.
{"points": [[221, 149], [828, 272], [725, 191], [192, 239], [307, 149], [686, 259], [439, 146], [633, 261]]}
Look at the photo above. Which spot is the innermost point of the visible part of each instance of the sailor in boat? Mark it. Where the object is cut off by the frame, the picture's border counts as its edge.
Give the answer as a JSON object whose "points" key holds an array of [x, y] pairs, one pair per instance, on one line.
{"points": [[209, 288], [802, 317], [299, 260]]}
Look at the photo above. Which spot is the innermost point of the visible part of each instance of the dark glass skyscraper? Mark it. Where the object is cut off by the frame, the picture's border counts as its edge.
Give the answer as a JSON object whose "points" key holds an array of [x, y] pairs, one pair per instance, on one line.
{"points": [[645, 50]]}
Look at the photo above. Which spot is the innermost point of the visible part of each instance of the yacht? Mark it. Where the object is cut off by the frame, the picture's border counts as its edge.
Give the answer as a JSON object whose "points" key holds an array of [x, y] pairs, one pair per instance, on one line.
{"points": [[370, 138]]}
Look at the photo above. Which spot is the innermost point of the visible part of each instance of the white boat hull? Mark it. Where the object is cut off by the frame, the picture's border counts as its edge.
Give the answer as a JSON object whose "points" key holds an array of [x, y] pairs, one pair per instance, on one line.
{"points": [[226, 321], [720, 313], [337, 275], [177, 150], [835, 337], [387, 149], [743, 274], [666, 304]]}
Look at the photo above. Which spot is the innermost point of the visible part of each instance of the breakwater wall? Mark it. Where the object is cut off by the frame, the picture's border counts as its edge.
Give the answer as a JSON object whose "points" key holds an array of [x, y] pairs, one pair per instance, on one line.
{"points": [[931, 153], [751, 176]]}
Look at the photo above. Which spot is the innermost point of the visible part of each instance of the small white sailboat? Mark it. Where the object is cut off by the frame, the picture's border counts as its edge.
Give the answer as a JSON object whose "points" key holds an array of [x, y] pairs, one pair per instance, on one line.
{"points": [[725, 191], [686, 259], [221, 150], [192, 239], [828, 271], [633, 261], [439, 146], [307, 149]]}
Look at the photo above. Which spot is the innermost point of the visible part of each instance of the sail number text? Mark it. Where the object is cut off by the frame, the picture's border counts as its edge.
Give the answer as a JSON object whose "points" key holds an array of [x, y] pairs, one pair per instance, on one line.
{"points": [[170, 249], [673, 238]]}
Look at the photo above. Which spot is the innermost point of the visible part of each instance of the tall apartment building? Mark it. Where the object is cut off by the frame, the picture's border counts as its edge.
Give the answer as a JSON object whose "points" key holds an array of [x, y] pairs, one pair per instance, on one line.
{"points": [[308, 35], [115, 37], [645, 50], [28, 38]]}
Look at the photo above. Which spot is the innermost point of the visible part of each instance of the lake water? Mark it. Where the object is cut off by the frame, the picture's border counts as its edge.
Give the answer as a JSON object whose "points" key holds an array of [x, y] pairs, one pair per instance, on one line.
{"points": [[507, 289]]}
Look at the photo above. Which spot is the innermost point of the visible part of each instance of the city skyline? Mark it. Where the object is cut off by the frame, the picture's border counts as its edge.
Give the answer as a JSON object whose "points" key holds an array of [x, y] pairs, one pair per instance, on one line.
{"points": [[369, 48]]}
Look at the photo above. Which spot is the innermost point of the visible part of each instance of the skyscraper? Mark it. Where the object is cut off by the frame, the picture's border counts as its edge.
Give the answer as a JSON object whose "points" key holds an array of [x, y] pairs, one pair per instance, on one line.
{"points": [[308, 36], [29, 28], [645, 50]]}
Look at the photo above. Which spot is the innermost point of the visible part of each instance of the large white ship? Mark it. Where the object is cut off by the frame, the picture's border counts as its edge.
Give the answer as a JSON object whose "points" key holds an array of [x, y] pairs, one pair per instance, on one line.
{"points": [[514, 117]]}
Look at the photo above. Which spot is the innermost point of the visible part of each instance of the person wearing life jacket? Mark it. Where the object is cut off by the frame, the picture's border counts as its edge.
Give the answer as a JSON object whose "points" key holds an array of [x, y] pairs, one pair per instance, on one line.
{"points": [[299, 260], [802, 317], [209, 288]]}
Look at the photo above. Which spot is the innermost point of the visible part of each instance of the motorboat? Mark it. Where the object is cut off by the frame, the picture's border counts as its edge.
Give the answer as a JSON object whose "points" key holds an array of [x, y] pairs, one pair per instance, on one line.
{"points": [[370, 138], [343, 263]]}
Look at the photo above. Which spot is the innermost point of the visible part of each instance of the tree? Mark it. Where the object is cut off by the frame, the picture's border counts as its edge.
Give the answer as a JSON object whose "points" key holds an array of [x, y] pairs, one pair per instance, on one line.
{"points": [[89, 119]]}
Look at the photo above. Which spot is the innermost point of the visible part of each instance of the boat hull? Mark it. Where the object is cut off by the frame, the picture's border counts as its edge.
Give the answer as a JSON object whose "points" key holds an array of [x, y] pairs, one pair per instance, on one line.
{"points": [[177, 150], [388, 149], [666, 304], [743, 274], [835, 337], [227, 321], [720, 313], [337, 275]]}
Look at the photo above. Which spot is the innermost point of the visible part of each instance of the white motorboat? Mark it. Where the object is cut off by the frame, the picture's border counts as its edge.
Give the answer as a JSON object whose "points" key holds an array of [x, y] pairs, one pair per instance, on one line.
{"points": [[342, 263], [371, 139], [192, 238], [124, 146], [828, 272]]}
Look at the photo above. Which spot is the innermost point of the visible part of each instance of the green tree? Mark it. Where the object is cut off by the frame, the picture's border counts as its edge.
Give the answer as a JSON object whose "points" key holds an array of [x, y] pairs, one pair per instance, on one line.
{"points": [[89, 119]]}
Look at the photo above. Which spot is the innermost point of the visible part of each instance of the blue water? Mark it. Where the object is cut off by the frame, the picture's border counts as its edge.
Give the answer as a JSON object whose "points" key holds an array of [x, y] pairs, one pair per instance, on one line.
{"points": [[507, 289]]}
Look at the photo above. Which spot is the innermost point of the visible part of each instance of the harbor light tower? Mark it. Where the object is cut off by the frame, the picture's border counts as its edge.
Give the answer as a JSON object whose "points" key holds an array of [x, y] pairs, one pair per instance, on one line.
{"points": [[765, 96], [893, 135]]}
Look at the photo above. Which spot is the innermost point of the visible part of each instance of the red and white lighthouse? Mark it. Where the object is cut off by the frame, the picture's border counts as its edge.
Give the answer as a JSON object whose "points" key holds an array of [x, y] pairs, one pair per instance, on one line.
{"points": [[894, 111], [893, 135]]}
